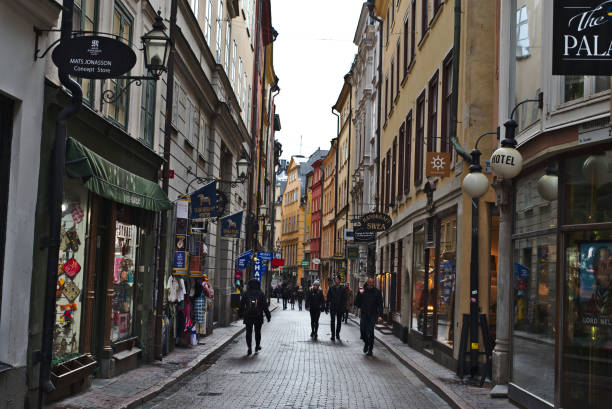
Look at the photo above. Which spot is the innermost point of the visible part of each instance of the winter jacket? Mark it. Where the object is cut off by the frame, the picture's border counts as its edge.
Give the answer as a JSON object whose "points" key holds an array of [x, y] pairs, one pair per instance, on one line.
{"points": [[336, 298], [300, 295], [316, 300], [370, 301], [254, 293]]}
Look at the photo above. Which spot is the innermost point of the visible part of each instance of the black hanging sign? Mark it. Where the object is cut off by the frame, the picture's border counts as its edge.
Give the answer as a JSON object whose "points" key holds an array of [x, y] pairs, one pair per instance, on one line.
{"points": [[582, 37], [375, 221], [361, 235], [94, 57]]}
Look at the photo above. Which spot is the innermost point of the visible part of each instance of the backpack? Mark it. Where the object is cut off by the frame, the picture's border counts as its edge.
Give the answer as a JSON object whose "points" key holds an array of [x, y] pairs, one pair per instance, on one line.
{"points": [[252, 306]]}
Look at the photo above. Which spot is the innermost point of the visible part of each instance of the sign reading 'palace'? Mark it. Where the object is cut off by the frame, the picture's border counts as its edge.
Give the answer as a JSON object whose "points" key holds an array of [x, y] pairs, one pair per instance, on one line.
{"points": [[582, 37], [94, 57]]}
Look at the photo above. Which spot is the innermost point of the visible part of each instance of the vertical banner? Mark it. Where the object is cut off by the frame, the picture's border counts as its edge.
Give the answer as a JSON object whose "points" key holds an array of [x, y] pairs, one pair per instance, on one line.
{"points": [[204, 202], [231, 225]]}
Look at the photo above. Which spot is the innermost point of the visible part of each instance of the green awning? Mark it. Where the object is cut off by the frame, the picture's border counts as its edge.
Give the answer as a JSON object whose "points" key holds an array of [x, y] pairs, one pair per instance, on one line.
{"points": [[112, 182]]}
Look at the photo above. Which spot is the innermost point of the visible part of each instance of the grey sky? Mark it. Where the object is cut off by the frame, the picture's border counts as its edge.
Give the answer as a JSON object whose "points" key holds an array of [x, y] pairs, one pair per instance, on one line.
{"points": [[313, 52]]}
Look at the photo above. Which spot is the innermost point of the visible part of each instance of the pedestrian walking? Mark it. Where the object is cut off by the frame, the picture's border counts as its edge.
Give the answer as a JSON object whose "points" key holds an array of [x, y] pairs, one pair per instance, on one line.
{"points": [[278, 293], [316, 300], [371, 305], [285, 296], [292, 298], [336, 304], [300, 297], [253, 306], [349, 301]]}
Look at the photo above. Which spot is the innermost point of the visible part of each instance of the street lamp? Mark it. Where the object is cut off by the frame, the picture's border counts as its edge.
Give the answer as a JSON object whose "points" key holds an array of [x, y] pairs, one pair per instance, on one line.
{"points": [[548, 185], [156, 47], [243, 167]]}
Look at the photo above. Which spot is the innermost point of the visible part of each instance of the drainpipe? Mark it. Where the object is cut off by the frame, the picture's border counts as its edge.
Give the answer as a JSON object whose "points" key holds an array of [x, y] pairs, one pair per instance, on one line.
{"points": [[163, 227], [55, 210], [379, 97], [336, 181], [348, 78], [455, 96]]}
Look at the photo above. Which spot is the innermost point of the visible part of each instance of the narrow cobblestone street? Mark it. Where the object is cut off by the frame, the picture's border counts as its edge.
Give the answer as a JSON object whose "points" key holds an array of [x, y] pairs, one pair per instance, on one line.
{"points": [[292, 371]]}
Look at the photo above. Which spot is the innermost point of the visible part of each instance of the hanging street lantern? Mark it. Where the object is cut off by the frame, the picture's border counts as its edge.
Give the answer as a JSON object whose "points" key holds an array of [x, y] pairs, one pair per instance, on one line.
{"points": [[548, 185], [243, 167], [506, 161], [156, 47], [475, 183]]}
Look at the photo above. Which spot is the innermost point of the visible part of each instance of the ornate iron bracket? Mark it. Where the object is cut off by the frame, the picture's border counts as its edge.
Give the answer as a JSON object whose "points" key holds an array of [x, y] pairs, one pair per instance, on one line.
{"points": [[110, 97]]}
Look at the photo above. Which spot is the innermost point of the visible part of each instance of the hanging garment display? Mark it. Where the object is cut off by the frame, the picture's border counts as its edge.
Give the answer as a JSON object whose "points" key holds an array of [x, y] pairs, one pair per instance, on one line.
{"points": [[198, 309]]}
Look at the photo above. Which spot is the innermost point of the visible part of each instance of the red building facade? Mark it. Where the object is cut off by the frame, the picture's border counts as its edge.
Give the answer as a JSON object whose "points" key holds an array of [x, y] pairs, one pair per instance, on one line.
{"points": [[315, 218]]}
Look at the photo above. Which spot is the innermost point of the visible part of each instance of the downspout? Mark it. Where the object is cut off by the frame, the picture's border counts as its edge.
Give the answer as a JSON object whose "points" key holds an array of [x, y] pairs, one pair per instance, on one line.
{"points": [[347, 78], [163, 228], [455, 96], [379, 98], [55, 209], [336, 182]]}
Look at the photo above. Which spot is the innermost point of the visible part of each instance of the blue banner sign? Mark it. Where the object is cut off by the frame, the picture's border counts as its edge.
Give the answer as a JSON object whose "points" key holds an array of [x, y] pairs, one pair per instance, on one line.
{"points": [[264, 255], [180, 261], [204, 202], [231, 225], [244, 259]]}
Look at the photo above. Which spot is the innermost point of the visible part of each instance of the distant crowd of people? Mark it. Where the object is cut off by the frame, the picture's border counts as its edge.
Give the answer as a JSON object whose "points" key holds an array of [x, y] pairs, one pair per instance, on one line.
{"points": [[338, 303]]}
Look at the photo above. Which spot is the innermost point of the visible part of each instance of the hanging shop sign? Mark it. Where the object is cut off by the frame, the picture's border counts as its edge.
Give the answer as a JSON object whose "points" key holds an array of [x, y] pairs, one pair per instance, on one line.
{"points": [[278, 262], [94, 57], [264, 255], [376, 221], [352, 252], [316, 261], [179, 264], [338, 256], [259, 269], [204, 202], [582, 37], [437, 164], [361, 235], [230, 225], [305, 263], [244, 259]]}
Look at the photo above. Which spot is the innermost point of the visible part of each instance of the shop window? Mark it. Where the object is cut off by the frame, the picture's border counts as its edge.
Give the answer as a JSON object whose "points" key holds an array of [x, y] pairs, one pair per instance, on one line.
{"points": [[123, 281], [533, 335], [588, 188], [587, 351], [446, 279], [122, 28], [419, 291], [71, 272], [147, 119], [85, 18]]}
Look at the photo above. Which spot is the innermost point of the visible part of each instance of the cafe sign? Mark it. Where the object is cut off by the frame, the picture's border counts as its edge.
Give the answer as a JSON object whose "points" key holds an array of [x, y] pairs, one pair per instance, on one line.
{"points": [[94, 57], [375, 221], [582, 37]]}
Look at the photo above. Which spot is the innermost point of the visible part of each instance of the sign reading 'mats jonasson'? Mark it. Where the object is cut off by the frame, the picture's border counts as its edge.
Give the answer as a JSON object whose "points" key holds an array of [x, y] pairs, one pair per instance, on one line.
{"points": [[582, 37], [94, 57]]}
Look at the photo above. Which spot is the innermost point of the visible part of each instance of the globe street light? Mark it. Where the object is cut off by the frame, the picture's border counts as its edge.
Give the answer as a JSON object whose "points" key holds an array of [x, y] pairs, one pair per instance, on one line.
{"points": [[548, 185]]}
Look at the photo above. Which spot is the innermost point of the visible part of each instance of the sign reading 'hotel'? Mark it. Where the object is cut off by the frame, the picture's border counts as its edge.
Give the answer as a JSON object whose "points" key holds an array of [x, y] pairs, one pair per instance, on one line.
{"points": [[582, 37]]}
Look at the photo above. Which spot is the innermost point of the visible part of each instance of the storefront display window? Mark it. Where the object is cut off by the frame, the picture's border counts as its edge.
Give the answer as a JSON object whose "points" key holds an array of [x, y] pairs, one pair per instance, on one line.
{"points": [[123, 281], [533, 334], [419, 292], [588, 188], [446, 279], [587, 351], [70, 272]]}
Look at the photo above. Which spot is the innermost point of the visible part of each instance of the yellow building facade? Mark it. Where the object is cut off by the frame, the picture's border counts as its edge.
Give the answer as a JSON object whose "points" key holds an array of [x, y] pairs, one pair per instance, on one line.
{"points": [[344, 108], [292, 225], [424, 258], [328, 230]]}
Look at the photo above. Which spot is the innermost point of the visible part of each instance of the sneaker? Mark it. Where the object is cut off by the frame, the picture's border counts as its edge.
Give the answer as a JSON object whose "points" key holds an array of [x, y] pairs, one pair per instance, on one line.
{"points": [[257, 348], [249, 352]]}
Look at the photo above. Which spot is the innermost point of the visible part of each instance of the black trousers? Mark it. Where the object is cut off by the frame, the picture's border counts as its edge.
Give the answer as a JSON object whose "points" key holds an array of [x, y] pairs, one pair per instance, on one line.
{"points": [[335, 322], [314, 320], [249, 331], [284, 303], [366, 325]]}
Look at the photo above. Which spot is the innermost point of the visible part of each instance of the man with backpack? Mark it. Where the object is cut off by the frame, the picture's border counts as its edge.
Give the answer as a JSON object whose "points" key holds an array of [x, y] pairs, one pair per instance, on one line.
{"points": [[253, 306]]}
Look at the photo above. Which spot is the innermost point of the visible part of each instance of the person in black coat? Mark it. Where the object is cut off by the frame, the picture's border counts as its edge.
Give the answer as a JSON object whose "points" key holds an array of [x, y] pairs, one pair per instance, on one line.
{"points": [[285, 295], [371, 305], [316, 300], [300, 297], [336, 304], [253, 306]]}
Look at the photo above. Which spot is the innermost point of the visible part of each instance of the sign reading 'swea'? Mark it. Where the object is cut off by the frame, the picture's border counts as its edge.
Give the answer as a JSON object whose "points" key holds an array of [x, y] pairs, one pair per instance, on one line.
{"points": [[582, 37]]}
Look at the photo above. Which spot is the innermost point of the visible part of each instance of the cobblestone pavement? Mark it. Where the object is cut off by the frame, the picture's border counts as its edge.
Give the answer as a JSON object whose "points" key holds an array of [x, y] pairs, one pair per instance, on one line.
{"points": [[293, 371]]}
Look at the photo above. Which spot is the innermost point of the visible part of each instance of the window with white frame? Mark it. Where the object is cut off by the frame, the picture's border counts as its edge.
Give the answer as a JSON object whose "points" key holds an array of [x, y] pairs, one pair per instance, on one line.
{"points": [[219, 34], [576, 87], [195, 7], [202, 135], [235, 51], [239, 92], [208, 21], [522, 32], [228, 40]]}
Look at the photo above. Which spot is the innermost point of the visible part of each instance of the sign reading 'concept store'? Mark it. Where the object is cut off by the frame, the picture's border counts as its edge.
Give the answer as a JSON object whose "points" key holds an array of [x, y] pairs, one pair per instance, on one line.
{"points": [[582, 37]]}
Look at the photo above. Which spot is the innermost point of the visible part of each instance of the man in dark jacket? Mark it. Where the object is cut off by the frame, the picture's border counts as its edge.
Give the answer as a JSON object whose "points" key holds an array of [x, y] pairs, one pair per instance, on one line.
{"points": [[300, 297], [316, 300], [253, 306], [336, 304], [371, 305], [285, 296]]}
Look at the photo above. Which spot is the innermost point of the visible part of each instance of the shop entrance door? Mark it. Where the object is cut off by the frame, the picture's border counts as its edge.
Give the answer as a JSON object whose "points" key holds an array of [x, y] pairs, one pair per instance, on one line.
{"points": [[6, 135]]}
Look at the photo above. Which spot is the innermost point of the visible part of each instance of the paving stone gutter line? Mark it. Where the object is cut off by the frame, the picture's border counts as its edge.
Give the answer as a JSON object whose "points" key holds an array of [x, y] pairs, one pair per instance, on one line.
{"points": [[453, 399], [148, 394]]}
